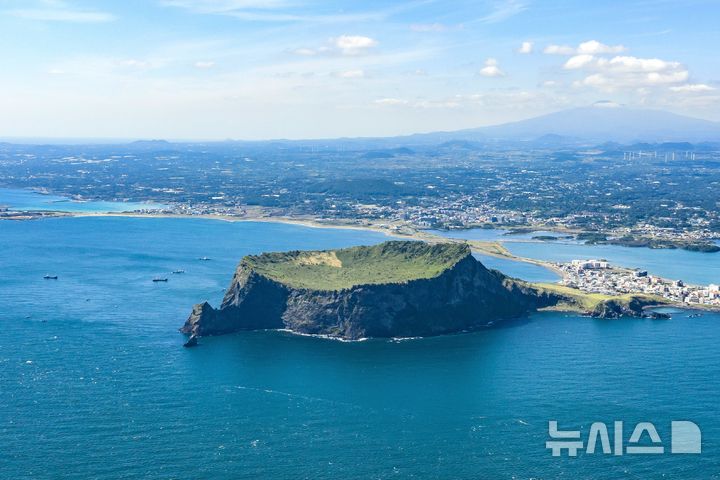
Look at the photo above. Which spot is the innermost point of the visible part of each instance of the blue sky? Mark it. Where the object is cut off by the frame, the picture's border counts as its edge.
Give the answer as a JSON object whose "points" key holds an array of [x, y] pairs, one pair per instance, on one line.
{"points": [[254, 69]]}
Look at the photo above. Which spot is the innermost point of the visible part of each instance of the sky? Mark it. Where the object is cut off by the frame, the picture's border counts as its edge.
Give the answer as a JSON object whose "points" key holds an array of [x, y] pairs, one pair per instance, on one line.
{"points": [[261, 69]]}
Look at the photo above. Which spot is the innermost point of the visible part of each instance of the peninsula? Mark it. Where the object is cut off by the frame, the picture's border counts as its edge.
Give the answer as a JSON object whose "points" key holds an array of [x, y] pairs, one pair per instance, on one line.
{"points": [[394, 289]]}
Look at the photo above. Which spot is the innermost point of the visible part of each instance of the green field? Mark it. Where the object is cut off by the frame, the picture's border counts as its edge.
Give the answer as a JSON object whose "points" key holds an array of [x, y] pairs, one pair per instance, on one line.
{"points": [[389, 262], [587, 302]]}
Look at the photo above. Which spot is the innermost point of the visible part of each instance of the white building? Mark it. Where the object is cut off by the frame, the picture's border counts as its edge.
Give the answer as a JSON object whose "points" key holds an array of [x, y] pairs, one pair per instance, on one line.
{"points": [[590, 264]]}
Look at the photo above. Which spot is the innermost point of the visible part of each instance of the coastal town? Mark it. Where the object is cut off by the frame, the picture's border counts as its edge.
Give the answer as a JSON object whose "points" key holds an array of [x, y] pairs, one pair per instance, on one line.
{"points": [[450, 185], [599, 276], [591, 276]]}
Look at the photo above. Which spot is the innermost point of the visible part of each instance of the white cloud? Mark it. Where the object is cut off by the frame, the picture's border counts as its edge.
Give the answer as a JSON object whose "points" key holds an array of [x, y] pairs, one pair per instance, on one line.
{"points": [[390, 102], [60, 12], [491, 69], [204, 64], [606, 104], [501, 100], [305, 52], [354, 44], [352, 74], [269, 11], [134, 63], [418, 104], [591, 47], [635, 64], [223, 6], [526, 47], [559, 50], [510, 99], [346, 45], [502, 10], [103, 69], [626, 72], [693, 88], [428, 27], [578, 61]]}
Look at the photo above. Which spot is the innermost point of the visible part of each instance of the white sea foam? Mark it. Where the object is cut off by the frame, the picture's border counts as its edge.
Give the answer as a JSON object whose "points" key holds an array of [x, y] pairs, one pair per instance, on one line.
{"points": [[318, 335]]}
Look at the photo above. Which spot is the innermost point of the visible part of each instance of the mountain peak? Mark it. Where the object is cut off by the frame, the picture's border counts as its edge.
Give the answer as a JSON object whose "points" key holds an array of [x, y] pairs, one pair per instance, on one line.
{"points": [[609, 121]]}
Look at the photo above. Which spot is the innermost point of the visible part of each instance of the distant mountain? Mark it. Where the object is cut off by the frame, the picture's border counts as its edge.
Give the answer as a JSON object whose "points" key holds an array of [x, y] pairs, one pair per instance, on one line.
{"points": [[585, 126], [591, 125], [606, 124], [150, 143]]}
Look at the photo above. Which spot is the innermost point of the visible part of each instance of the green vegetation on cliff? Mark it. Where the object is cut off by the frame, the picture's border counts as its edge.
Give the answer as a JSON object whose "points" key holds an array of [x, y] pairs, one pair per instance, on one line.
{"points": [[389, 262], [572, 299], [394, 289]]}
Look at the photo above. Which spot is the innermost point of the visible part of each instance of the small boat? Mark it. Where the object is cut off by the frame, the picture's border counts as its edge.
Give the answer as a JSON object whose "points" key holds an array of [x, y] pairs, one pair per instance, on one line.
{"points": [[178, 271], [160, 279], [50, 277], [204, 259]]}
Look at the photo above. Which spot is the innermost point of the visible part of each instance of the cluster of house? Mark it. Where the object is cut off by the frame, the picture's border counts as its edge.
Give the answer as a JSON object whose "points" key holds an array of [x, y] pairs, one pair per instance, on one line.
{"points": [[598, 276]]}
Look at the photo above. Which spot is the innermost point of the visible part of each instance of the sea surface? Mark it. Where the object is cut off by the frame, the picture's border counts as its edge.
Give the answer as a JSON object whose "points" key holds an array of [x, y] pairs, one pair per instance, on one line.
{"points": [[95, 383], [29, 200], [499, 234], [675, 264], [522, 270]]}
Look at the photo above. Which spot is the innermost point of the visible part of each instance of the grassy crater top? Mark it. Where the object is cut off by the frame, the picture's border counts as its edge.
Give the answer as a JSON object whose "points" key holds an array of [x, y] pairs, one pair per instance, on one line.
{"points": [[388, 262]]}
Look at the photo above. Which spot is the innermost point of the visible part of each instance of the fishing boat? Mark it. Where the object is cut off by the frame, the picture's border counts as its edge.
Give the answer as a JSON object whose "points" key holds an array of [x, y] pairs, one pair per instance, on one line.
{"points": [[160, 279], [50, 277]]}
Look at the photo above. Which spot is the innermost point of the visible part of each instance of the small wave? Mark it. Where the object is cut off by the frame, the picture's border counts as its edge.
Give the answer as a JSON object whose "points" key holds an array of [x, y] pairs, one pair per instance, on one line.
{"points": [[320, 335], [294, 396]]}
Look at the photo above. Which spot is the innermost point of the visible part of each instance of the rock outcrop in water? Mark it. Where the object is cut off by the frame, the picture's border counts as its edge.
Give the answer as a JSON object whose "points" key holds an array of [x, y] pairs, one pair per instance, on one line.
{"points": [[395, 289], [633, 307]]}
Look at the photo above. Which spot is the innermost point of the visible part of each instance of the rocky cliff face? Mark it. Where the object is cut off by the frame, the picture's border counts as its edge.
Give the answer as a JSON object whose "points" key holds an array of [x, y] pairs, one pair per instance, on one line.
{"points": [[634, 307], [463, 296]]}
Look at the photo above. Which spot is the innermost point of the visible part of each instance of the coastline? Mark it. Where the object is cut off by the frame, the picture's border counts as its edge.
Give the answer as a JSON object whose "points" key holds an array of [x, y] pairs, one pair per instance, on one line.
{"points": [[493, 249], [390, 229], [403, 230]]}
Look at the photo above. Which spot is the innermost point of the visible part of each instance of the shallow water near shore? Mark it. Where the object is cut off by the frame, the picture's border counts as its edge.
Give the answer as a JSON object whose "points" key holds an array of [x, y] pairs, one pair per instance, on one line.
{"points": [[29, 200], [96, 384], [675, 264]]}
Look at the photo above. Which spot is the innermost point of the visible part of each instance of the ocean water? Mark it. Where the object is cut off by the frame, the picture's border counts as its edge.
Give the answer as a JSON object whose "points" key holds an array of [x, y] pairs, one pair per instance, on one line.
{"points": [[522, 270], [496, 234], [96, 384], [692, 267], [28, 200]]}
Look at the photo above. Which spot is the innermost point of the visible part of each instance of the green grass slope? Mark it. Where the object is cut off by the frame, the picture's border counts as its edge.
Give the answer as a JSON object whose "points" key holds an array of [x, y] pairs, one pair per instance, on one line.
{"points": [[389, 262], [587, 302]]}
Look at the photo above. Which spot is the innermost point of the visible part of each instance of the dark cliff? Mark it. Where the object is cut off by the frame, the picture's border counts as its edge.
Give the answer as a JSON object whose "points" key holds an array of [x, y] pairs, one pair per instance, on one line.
{"points": [[461, 294]]}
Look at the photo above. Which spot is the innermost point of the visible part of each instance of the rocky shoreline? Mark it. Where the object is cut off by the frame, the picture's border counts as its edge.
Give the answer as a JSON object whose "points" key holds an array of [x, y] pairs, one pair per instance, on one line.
{"points": [[462, 297]]}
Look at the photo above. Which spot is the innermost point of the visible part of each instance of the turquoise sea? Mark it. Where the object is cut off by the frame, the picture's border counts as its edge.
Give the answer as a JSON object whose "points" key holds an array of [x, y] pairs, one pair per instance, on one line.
{"points": [[524, 270], [96, 384], [28, 200], [692, 267]]}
